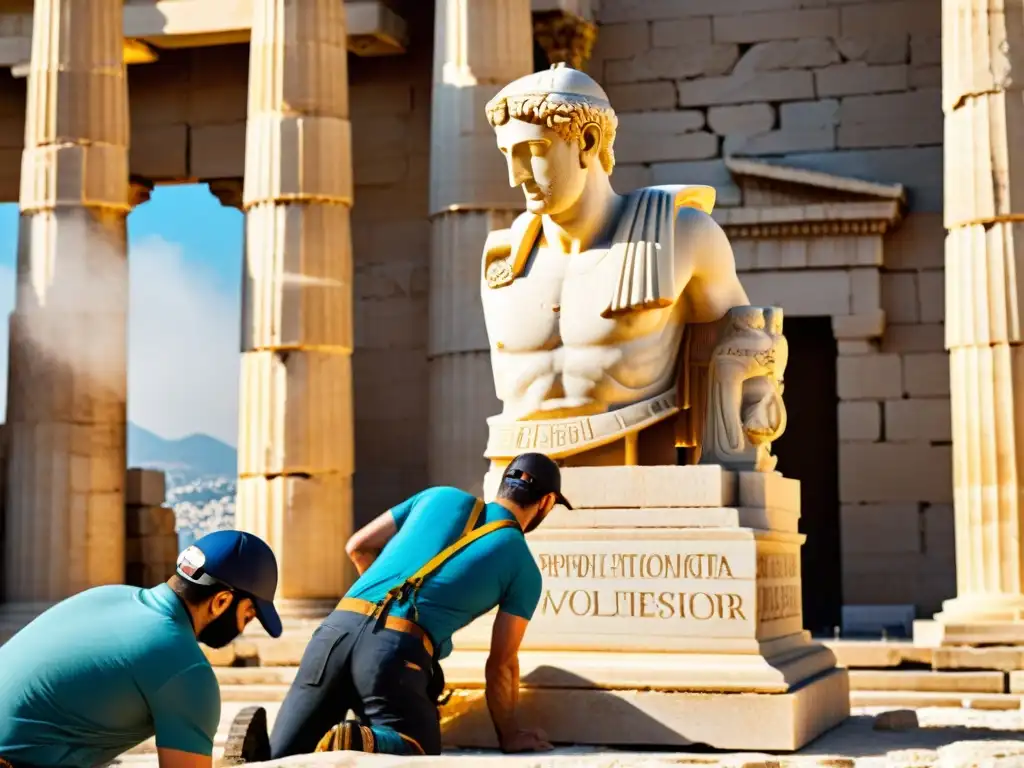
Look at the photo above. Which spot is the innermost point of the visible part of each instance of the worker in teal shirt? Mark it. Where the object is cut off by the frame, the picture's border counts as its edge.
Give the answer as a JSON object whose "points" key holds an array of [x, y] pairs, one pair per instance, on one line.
{"points": [[108, 668], [428, 567]]}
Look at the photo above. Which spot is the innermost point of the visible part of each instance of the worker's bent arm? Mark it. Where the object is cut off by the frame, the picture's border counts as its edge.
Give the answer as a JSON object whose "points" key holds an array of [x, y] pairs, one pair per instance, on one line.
{"points": [[186, 712], [175, 758], [502, 673], [366, 543]]}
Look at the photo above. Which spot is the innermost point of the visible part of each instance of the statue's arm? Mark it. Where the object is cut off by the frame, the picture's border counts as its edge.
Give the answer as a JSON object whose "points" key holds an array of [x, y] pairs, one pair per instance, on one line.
{"points": [[497, 250], [705, 261]]}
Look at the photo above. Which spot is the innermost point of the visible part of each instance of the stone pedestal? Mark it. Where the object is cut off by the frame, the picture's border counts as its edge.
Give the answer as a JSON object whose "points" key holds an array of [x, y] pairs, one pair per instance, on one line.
{"points": [[983, 101], [295, 449], [671, 615], [66, 417]]}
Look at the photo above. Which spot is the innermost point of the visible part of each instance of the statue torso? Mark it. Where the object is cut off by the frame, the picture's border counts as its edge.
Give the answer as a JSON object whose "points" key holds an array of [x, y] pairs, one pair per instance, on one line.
{"points": [[554, 354]]}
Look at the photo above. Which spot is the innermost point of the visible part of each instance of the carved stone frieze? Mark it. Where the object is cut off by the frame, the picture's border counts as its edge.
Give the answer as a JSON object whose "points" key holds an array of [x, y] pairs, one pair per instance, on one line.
{"points": [[808, 229], [783, 202]]}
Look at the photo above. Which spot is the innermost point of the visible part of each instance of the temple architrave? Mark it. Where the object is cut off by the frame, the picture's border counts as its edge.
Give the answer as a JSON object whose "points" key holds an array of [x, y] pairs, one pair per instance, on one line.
{"points": [[866, 158]]}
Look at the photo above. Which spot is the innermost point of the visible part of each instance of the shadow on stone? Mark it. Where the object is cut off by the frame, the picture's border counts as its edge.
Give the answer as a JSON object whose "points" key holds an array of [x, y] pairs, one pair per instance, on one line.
{"points": [[856, 737], [572, 711]]}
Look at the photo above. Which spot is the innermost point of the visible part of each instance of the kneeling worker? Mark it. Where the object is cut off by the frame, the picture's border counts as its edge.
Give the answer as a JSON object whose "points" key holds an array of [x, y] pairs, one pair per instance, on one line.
{"points": [[428, 567], [108, 668]]}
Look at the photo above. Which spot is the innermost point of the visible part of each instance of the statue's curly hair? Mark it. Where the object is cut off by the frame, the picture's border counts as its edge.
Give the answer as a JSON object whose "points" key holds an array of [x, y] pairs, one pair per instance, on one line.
{"points": [[566, 115]]}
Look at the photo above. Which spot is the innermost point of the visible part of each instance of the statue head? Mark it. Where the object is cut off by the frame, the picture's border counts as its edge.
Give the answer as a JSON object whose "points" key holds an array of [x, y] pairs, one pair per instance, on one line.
{"points": [[556, 129]]}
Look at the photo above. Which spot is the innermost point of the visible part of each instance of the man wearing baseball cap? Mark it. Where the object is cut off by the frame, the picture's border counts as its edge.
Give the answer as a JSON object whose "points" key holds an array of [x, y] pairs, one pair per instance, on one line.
{"points": [[108, 668], [428, 567]]}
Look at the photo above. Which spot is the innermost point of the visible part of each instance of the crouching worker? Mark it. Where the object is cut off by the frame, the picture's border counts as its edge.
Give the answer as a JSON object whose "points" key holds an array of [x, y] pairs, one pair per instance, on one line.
{"points": [[428, 567], [108, 668]]}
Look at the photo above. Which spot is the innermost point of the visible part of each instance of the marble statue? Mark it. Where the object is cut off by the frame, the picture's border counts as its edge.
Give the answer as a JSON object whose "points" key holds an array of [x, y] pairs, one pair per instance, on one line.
{"points": [[618, 327]]}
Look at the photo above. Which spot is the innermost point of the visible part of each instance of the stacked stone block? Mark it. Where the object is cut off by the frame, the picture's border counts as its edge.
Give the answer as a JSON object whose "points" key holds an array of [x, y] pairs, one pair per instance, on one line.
{"points": [[151, 541], [894, 426]]}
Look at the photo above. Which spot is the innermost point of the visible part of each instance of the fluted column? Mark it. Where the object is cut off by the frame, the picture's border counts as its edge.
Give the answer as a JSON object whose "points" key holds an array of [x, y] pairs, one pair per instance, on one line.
{"points": [[479, 46], [67, 380], [983, 100], [295, 443]]}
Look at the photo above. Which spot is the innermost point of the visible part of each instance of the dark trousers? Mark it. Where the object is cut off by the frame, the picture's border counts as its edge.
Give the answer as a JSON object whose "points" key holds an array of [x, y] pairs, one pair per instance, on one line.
{"points": [[354, 663], [8, 764]]}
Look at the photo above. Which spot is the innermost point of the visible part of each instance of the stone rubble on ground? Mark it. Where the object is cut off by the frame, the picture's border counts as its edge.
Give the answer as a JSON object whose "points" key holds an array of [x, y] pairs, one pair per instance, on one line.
{"points": [[896, 720]]}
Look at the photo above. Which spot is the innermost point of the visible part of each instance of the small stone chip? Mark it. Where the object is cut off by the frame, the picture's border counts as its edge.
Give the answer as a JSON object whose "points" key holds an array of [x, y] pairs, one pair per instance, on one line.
{"points": [[896, 720]]}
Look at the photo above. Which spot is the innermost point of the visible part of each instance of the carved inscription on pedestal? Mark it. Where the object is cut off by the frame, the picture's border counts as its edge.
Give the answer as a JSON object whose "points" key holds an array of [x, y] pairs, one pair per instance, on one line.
{"points": [[701, 587], [687, 588], [644, 604], [778, 587]]}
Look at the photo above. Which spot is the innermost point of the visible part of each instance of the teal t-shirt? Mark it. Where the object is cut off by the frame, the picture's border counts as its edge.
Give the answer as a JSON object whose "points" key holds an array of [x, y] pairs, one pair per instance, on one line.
{"points": [[101, 672], [495, 570]]}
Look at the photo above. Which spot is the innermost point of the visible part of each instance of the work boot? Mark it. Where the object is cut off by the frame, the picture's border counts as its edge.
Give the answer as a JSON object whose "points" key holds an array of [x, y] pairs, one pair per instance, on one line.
{"points": [[248, 741]]}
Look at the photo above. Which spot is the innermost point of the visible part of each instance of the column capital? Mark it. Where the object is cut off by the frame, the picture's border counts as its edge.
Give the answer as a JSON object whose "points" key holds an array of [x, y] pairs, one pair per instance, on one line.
{"points": [[227, 191], [565, 37], [139, 190]]}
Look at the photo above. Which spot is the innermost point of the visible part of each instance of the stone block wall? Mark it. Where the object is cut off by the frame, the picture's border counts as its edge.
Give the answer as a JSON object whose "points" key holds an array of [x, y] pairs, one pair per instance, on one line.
{"points": [[896, 481], [151, 542], [848, 87]]}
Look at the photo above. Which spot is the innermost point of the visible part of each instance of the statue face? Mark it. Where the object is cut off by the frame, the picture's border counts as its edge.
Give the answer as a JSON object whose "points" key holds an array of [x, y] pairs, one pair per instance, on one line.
{"points": [[541, 163]]}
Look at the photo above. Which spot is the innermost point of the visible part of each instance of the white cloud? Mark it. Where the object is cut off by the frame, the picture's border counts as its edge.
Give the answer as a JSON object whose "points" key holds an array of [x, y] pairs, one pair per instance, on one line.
{"points": [[183, 344]]}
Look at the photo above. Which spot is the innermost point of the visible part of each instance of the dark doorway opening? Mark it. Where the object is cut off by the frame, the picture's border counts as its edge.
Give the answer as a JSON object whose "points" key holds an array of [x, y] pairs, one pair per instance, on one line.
{"points": [[809, 452]]}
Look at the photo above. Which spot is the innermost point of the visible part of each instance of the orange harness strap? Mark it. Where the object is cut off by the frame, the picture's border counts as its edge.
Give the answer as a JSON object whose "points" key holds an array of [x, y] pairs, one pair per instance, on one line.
{"points": [[411, 586]]}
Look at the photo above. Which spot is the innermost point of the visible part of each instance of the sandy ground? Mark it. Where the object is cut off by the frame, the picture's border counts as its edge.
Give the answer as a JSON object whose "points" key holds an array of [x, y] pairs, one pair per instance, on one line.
{"points": [[945, 738]]}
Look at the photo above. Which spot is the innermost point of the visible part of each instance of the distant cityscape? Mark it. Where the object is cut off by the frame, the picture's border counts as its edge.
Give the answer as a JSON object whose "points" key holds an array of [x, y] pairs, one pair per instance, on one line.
{"points": [[201, 504], [201, 479]]}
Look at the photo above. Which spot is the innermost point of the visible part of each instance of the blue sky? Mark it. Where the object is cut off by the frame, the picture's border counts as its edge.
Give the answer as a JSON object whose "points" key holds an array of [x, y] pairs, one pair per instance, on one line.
{"points": [[185, 261]]}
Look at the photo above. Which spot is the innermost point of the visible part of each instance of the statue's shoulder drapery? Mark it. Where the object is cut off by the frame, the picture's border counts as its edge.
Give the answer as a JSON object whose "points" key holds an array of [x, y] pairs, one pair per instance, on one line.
{"points": [[643, 244]]}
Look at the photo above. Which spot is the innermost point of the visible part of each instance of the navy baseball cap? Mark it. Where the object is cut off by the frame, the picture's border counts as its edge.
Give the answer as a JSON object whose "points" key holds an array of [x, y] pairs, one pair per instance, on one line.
{"points": [[536, 471], [239, 561]]}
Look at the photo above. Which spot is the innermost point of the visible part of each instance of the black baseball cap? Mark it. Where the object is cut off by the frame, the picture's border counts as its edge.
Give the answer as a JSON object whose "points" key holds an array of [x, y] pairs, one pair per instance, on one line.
{"points": [[238, 561], [539, 472]]}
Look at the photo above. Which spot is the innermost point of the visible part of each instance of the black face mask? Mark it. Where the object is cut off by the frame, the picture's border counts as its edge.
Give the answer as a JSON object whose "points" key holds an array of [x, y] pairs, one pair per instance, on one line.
{"points": [[223, 629]]}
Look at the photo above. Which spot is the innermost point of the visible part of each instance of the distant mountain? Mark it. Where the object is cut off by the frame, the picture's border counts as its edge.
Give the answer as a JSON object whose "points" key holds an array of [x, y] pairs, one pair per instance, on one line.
{"points": [[195, 455]]}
